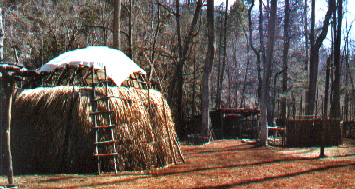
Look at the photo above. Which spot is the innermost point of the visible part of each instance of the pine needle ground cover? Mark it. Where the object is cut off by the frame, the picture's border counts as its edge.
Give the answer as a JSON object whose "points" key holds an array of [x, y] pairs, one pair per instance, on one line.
{"points": [[224, 164], [52, 129]]}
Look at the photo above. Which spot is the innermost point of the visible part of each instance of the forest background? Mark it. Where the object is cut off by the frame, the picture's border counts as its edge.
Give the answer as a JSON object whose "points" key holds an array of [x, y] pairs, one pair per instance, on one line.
{"points": [[171, 41]]}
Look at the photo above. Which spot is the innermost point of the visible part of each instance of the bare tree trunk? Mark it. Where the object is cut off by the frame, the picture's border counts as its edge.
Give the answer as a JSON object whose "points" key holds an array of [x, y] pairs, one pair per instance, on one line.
{"points": [[184, 48], [130, 36], [325, 108], [2, 34], [116, 24], [218, 90], [273, 107], [284, 58], [229, 102], [242, 95], [249, 44], [177, 81], [335, 105], [156, 32], [236, 85], [264, 100], [306, 35], [224, 49], [261, 35], [257, 52], [2, 136], [178, 28], [314, 59], [221, 75], [207, 70], [194, 89]]}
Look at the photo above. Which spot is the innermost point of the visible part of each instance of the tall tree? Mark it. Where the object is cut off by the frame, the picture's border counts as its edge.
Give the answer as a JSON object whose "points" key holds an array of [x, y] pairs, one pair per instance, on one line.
{"points": [[314, 55], [116, 24], [325, 107], [1, 105], [219, 66], [285, 57], [335, 105], [306, 34], [221, 71], [261, 36], [130, 36], [264, 100], [2, 33], [176, 85], [256, 51], [205, 101]]}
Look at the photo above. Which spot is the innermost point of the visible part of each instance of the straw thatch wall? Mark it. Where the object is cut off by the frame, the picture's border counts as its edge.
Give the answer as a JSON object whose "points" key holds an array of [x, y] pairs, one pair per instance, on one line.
{"points": [[52, 130]]}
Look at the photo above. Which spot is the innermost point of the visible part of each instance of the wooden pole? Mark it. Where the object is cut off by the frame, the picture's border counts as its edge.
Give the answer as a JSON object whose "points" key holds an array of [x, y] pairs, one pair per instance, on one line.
{"points": [[169, 137], [9, 94]]}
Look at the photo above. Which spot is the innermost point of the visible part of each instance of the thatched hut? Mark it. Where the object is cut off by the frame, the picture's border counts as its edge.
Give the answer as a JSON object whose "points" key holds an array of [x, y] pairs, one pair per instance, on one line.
{"points": [[52, 130]]}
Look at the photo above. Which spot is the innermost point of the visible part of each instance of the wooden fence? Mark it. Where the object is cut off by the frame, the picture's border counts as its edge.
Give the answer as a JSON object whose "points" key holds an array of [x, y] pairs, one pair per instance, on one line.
{"points": [[307, 133], [349, 129]]}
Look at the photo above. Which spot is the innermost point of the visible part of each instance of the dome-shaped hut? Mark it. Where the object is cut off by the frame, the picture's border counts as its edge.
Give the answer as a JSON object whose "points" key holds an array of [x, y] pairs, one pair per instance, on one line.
{"points": [[56, 119]]}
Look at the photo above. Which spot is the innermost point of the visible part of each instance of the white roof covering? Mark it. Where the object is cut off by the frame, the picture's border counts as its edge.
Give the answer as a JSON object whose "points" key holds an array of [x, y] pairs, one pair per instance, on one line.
{"points": [[118, 65]]}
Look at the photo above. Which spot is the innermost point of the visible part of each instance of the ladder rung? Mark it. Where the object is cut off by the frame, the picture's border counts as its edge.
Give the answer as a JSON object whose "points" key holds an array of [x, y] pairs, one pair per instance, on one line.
{"points": [[102, 112], [104, 126], [105, 142], [113, 154], [103, 81], [104, 98]]}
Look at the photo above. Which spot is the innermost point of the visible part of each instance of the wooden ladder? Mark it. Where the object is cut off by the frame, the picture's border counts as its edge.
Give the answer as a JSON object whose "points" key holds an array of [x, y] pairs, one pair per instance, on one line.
{"points": [[106, 130]]}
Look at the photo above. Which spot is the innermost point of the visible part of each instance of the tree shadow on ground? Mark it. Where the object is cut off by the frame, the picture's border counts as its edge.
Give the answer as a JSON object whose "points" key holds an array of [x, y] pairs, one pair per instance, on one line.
{"points": [[239, 183], [193, 170], [187, 168], [268, 178], [240, 147]]}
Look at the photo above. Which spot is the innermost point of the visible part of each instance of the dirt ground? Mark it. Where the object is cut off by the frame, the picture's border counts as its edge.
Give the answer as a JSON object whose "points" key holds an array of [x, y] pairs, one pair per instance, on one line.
{"points": [[224, 164]]}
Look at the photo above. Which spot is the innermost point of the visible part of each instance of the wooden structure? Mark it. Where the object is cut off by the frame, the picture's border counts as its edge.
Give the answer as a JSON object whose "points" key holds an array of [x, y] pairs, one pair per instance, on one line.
{"points": [[349, 129], [348, 115], [235, 123], [278, 137], [306, 132], [10, 73]]}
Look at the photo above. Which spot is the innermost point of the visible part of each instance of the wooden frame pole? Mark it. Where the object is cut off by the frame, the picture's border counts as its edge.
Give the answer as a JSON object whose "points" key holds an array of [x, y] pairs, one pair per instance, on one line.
{"points": [[9, 94]]}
